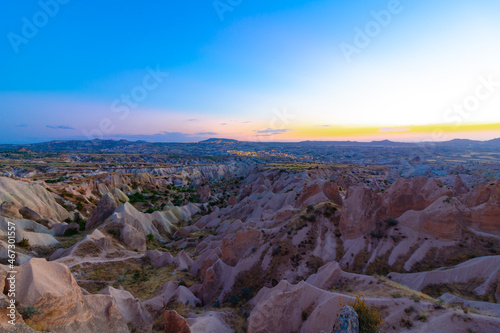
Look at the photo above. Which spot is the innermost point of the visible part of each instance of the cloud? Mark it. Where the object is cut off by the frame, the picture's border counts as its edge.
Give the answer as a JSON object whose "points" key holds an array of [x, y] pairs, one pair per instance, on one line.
{"points": [[272, 131], [323, 125], [206, 133], [63, 127], [22, 125], [394, 129], [192, 119], [246, 122], [223, 124]]}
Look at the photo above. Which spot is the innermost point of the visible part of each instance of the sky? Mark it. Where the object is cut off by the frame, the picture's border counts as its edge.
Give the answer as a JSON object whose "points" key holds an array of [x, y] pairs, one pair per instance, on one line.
{"points": [[253, 70]]}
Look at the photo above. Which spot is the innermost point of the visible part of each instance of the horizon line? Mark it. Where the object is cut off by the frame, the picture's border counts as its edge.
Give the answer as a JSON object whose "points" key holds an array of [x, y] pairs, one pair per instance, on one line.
{"points": [[244, 141]]}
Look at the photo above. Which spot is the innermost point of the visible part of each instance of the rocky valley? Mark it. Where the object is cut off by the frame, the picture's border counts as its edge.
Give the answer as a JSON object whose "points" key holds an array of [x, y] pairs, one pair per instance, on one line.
{"points": [[227, 236]]}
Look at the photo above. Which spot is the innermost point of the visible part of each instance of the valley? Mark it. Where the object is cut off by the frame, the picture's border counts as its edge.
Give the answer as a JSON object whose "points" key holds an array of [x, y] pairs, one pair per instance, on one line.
{"points": [[251, 237]]}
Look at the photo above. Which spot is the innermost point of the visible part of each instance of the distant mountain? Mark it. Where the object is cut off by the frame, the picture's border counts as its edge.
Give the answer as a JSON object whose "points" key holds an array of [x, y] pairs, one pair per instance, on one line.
{"points": [[494, 141], [389, 143], [462, 142], [219, 140], [220, 144], [73, 145]]}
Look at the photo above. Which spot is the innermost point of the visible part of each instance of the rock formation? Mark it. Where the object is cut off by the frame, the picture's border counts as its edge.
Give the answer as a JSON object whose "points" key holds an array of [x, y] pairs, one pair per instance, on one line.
{"points": [[50, 286], [174, 323], [347, 321], [105, 209], [32, 196]]}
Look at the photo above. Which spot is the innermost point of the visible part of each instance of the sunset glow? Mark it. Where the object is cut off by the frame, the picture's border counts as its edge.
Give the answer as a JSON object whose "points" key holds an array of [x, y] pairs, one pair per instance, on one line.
{"points": [[183, 75]]}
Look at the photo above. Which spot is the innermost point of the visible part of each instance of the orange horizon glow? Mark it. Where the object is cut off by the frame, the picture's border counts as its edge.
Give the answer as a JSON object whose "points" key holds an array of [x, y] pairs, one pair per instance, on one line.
{"points": [[431, 132]]}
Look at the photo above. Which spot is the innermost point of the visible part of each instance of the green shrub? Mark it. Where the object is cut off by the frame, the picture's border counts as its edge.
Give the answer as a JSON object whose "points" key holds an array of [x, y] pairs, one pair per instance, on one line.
{"points": [[422, 317], [233, 299], [370, 318], [114, 232], [137, 197], [391, 222], [70, 232], [409, 310], [80, 221], [406, 323], [177, 202], [439, 304], [29, 312], [396, 294], [24, 242], [377, 234], [246, 293], [150, 237], [309, 218], [53, 181]]}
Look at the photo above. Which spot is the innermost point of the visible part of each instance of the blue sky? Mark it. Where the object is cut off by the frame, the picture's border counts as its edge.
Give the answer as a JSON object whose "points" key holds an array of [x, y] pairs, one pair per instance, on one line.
{"points": [[251, 70]]}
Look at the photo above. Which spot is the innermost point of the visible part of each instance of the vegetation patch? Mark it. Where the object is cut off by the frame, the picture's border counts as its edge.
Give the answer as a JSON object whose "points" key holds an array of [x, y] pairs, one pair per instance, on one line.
{"points": [[463, 290], [391, 222], [24, 243], [471, 246], [369, 316], [359, 262], [88, 249]]}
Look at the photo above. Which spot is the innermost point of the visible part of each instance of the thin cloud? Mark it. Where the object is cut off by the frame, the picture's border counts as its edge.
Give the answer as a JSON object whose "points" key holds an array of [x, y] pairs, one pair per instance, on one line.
{"points": [[22, 125], [272, 131], [206, 133], [62, 127]]}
